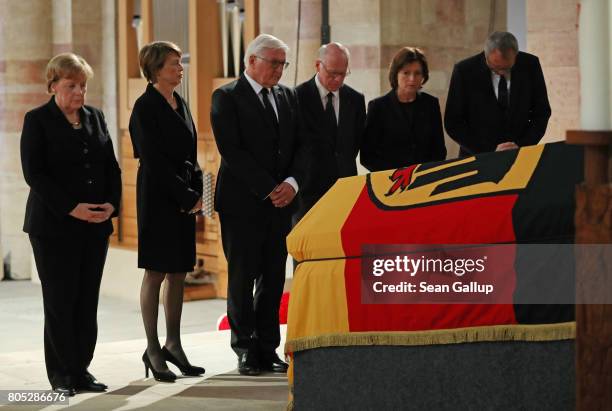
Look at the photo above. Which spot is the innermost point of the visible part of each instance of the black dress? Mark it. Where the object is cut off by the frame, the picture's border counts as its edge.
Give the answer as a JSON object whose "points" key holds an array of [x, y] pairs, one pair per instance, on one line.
{"points": [[169, 182]]}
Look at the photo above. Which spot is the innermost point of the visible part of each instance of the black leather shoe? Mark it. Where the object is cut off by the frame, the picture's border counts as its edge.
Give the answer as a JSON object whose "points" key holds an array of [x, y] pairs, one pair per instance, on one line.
{"points": [[271, 362], [247, 365], [66, 390], [88, 382], [63, 385]]}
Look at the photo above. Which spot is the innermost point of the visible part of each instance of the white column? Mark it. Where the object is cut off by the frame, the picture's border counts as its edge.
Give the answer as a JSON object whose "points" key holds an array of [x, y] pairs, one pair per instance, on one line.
{"points": [[595, 63], [109, 71], [62, 25], [610, 57]]}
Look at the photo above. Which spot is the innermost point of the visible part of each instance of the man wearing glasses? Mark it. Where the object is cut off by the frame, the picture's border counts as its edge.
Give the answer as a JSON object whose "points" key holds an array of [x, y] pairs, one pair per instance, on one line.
{"points": [[254, 121], [497, 99], [333, 119]]}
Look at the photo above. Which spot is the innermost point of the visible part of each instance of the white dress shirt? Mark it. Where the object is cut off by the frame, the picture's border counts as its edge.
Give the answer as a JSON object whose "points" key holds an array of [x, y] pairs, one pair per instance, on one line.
{"points": [[495, 81], [323, 92]]}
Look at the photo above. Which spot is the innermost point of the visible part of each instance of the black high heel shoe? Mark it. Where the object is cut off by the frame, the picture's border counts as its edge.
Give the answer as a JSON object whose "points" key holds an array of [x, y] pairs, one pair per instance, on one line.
{"points": [[163, 376], [187, 369]]}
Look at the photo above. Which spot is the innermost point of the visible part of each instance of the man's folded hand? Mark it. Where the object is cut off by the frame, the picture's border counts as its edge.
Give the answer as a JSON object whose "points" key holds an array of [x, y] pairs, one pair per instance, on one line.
{"points": [[282, 195]]}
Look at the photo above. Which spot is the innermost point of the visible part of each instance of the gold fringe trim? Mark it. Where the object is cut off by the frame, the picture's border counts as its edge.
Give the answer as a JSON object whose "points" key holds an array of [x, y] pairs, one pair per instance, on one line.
{"points": [[512, 332]]}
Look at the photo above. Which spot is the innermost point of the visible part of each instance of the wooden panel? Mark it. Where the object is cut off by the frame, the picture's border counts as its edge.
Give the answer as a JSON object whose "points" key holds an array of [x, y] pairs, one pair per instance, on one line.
{"points": [[129, 168], [202, 150], [136, 86], [208, 248], [129, 226], [129, 201], [199, 292], [221, 81], [221, 284], [146, 15], [251, 21], [127, 57], [206, 61], [130, 242], [127, 150]]}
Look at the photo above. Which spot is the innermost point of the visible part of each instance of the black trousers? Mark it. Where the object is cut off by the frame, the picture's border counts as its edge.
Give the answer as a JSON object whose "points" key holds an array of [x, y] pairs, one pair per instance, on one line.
{"points": [[70, 271], [256, 254]]}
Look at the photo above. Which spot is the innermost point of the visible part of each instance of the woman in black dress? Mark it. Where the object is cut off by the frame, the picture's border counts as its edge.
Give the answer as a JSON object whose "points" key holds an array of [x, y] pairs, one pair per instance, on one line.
{"points": [[75, 186], [169, 193], [404, 126]]}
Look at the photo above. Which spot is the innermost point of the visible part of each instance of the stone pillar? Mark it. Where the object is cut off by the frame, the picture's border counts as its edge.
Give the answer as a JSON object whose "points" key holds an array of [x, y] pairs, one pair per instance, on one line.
{"points": [[358, 26], [594, 39], [279, 18], [108, 71], [26, 31], [552, 35], [62, 26], [88, 42]]}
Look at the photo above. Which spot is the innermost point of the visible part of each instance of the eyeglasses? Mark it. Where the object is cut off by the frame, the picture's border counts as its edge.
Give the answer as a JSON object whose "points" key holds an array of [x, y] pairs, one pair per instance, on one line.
{"points": [[274, 63], [336, 73]]}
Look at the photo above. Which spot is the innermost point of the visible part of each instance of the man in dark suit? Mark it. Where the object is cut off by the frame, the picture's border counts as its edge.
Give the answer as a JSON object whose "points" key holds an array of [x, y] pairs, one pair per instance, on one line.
{"points": [[333, 119], [497, 99], [254, 120]]}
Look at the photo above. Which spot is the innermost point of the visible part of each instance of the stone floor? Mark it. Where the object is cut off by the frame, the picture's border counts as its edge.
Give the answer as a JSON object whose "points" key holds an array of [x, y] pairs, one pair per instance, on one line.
{"points": [[117, 359]]}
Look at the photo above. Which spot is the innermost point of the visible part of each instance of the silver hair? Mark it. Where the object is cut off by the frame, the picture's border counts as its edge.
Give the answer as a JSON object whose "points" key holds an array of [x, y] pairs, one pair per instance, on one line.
{"points": [[261, 42], [502, 41], [324, 49]]}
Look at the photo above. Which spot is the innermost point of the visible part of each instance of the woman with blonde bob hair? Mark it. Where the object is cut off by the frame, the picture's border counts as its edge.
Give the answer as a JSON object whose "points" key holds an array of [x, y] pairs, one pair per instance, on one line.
{"points": [[169, 193], [75, 186]]}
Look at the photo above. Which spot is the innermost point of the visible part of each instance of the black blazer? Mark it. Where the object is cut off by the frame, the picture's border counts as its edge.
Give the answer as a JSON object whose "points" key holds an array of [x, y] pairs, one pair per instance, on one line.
{"points": [[169, 182], [64, 167], [253, 159], [388, 143], [473, 117], [328, 159]]}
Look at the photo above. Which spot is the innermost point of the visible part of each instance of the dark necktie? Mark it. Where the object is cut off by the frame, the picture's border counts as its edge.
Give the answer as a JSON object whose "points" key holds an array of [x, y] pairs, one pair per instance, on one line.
{"points": [[502, 92], [331, 116], [268, 108]]}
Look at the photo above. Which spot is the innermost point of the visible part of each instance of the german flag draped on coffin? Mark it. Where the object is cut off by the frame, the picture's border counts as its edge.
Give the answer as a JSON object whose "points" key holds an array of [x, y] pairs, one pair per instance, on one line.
{"points": [[513, 197]]}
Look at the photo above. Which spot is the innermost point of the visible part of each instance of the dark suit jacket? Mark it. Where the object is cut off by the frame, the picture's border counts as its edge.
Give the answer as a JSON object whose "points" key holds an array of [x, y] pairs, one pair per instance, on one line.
{"points": [[253, 161], [169, 182], [328, 159], [389, 143], [64, 167], [473, 117]]}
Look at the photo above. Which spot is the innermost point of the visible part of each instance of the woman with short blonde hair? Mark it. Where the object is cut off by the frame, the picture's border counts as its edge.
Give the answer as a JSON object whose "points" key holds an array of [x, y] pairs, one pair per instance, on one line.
{"points": [[69, 163]]}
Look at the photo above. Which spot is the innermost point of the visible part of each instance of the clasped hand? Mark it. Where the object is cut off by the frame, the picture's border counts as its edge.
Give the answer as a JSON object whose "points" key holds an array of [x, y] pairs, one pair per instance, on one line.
{"points": [[282, 195], [93, 213]]}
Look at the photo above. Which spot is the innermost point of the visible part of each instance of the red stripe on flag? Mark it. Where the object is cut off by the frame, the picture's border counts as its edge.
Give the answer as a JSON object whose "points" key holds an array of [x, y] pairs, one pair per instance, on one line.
{"points": [[474, 221]]}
